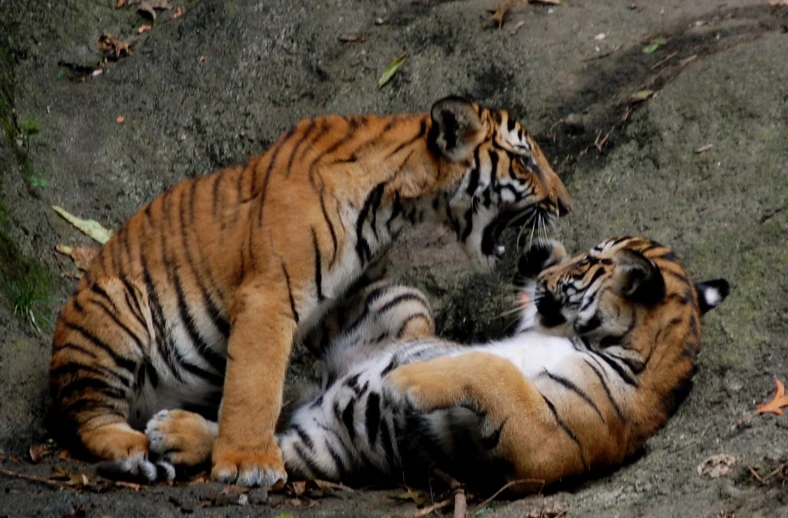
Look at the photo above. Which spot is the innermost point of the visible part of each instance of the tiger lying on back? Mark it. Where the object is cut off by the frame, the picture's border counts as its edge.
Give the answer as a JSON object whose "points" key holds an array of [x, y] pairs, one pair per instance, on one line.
{"points": [[602, 356], [198, 297]]}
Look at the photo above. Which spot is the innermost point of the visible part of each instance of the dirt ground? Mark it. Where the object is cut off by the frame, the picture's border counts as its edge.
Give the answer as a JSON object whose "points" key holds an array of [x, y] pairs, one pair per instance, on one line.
{"points": [[701, 164]]}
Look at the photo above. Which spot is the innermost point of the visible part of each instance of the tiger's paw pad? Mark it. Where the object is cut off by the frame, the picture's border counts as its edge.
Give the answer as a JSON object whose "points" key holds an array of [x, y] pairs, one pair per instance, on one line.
{"points": [[181, 437], [266, 471], [137, 468]]}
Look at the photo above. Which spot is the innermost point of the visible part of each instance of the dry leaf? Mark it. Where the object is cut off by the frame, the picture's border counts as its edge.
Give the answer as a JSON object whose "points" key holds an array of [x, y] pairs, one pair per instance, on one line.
{"points": [[81, 255], [689, 59], [351, 37], [203, 58], [130, 485], [717, 466], [64, 455], [779, 401], [107, 42], [703, 149], [517, 27], [120, 3], [39, 451], [89, 227], [640, 96], [120, 119], [546, 2], [781, 3], [499, 13], [298, 487], [143, 28], [553, 510], [178, 13], [390, 70], [416, 496]]}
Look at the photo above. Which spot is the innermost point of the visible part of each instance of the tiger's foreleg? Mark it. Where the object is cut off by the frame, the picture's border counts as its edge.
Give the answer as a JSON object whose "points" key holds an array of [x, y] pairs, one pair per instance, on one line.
{"points": [[101, 340], [519, 425], [262, 332]]}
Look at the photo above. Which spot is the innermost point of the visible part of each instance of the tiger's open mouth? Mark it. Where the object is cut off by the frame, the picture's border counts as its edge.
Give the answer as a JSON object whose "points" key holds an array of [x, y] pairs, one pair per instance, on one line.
{"points": [[491, 236]]}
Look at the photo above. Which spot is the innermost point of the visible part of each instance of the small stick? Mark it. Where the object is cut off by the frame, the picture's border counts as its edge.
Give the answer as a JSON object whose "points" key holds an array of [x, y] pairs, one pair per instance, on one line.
{"points": [[507, 486], [663, 60], [33, 478], [460, 502], [434, 507]]}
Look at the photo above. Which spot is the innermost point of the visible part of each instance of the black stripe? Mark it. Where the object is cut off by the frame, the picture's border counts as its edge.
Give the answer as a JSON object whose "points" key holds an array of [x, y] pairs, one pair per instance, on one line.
{"points": [[79, 348], [600, 376], [372, 417], [216, 380], [386, 435], [374, 206], [216, 361], [81, 385], [306, 458], [269, 169], [569, 385], [124, 363], [217, 178], [290, 293], [393, 364], [400, 299], [403, 145], [110, 312], [318, 267], [567, 431], [331, 230], [347, 418], [75, 369], [134, 304], [305, 438], [473, 180], [362, 247], [158, 324], [629, 380], [403, 327], [298, 145], [396, 210], [338, 460], [85, 405]]}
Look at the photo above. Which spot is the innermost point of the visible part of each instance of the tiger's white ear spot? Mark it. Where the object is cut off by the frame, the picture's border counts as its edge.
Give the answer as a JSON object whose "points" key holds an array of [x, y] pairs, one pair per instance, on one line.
{"points": [[711, 293]]}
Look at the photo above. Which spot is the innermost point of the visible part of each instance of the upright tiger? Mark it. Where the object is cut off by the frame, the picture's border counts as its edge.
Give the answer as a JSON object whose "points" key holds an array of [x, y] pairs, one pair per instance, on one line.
{"points": [[602, 356], [197, 299]]}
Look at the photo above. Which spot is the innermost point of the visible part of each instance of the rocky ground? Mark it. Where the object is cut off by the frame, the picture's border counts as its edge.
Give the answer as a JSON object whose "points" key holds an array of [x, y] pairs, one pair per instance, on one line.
{"points": [[700, 164]]}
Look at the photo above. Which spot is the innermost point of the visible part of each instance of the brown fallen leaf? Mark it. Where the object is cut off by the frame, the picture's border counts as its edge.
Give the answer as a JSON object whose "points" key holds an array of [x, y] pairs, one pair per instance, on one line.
{"points": [[107, 42], [121, 119], [64, 455], [716, 466], [546, 2], [499, 13], [703, 149], [39, 451], [143, 28], [178, 13], [689, 59], [81, 255], [119, 4], [781, 3], [779, 401]]}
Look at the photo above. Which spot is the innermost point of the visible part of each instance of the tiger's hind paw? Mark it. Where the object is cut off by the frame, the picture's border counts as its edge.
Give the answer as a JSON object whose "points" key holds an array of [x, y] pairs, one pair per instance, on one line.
{"points": [[414, 387], [137, 468]]}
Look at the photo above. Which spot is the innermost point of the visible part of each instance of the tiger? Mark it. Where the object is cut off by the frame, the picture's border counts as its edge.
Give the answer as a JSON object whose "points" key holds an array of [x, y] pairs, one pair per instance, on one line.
{"points": [[197, 300], [603, 354]]}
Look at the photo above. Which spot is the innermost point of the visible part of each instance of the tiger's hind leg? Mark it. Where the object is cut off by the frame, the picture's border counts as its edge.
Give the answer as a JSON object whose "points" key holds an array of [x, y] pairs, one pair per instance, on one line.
{"points": [[100, 343], [384, 315]]}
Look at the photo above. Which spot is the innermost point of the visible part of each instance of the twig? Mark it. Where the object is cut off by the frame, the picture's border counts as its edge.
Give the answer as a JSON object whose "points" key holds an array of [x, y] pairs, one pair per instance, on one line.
{"points": [[460, 502], [664, 60], [600, 56], [33, 478], [507, 486], [434, 507], [756, 475]]}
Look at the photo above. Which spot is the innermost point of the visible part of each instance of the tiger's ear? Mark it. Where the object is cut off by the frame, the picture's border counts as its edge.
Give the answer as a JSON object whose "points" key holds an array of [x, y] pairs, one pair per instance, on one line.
{"points": [[637, 278], [456, 128], [711, 293]]}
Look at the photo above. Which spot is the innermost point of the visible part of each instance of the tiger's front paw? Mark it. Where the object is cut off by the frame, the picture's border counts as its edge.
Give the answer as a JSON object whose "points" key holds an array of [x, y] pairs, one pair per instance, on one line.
{"points": [[181, 437], [246, 467], [418, 387]]}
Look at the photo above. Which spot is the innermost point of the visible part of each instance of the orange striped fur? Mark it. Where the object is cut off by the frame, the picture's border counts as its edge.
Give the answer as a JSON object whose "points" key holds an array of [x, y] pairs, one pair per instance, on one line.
{"points": [[198, 298]]}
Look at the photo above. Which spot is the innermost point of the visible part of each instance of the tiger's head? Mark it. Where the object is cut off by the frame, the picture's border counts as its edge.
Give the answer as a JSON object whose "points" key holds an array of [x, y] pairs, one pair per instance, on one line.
{"points": [[619, 287], [492, 174]]}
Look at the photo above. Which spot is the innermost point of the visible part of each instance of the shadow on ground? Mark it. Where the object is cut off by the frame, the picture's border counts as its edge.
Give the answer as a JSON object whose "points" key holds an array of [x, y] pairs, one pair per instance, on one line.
{"points": [[222, 80]]}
